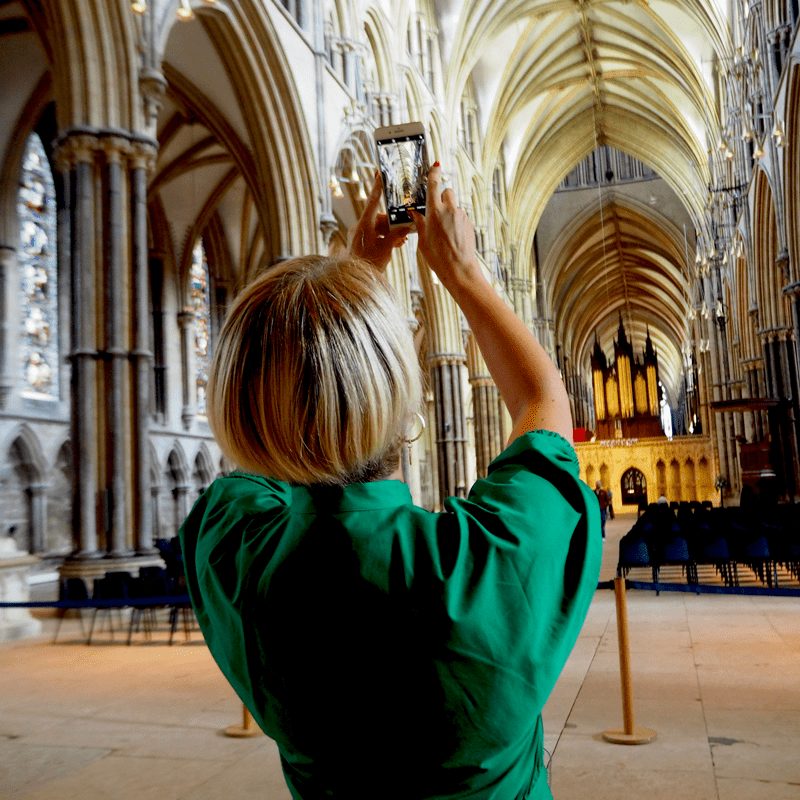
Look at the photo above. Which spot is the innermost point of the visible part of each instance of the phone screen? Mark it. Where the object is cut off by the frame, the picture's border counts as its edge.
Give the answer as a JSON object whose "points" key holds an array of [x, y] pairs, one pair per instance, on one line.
{"points": [[403, 161]]}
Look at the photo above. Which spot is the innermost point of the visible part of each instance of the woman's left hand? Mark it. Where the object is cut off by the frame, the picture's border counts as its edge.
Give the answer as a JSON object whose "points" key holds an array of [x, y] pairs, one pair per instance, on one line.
{"points": [[372, 238]]}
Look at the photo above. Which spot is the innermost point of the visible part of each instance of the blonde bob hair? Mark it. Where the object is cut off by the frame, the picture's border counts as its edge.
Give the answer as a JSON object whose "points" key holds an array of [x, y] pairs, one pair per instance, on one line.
{"points": [[314, 378]]}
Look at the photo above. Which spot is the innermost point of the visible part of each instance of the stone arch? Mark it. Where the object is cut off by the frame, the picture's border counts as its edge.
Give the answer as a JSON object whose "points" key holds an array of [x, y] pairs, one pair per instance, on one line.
{"points": [[704, 476], [203, 472], [271, 152], [156, 485], [58, 534], [633, 487], [175, 503], [689, 487], [792, 172], [674, 480], [25, 500], [590, 476], [93, 47], [661, 478], [376, 29], [773, 307]]}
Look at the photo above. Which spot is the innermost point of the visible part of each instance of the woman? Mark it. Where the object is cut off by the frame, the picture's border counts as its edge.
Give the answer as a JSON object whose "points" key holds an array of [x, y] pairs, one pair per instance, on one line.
{"points": [[391, 652]]}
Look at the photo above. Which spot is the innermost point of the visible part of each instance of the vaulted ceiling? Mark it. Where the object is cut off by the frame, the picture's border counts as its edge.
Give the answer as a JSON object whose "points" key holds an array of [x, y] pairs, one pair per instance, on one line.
{"points": [[554, 79]]}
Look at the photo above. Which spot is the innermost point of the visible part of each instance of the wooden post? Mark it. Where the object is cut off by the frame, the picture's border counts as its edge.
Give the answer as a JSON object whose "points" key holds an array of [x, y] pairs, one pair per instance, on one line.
{"points": [[246, 729], [631, 734]]}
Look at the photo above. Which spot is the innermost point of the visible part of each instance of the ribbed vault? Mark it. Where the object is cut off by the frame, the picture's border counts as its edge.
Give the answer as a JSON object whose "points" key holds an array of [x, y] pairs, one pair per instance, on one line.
{"points": [[620, 261], [556, 79]]}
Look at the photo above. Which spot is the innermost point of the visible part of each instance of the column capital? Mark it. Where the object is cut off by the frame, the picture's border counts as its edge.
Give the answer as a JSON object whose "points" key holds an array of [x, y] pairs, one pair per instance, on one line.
{"points": [[115, 148], [791, 289], [75, 149], [782, 262], [143, 155], [185, 318], [447, 359]]}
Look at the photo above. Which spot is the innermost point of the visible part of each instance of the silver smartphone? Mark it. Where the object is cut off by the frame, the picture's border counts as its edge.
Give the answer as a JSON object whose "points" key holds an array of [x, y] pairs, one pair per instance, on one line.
{"points": [[403, 162]]}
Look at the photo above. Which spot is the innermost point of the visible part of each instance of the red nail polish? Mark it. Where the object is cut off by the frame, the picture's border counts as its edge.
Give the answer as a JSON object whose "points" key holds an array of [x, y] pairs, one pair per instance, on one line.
{"points": [[436, 164]]}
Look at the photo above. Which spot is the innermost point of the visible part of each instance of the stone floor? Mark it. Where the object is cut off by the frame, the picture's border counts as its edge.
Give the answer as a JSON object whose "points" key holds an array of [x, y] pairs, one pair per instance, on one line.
{"points": [[717, 677]]}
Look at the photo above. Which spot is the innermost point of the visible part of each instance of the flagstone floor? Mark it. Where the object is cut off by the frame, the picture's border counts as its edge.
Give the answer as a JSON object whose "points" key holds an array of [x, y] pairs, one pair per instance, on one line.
{"points": [[717, 677]]}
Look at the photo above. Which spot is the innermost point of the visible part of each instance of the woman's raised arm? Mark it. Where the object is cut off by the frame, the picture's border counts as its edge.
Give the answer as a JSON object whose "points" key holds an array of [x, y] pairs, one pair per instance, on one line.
{"points": [[527, 379]]}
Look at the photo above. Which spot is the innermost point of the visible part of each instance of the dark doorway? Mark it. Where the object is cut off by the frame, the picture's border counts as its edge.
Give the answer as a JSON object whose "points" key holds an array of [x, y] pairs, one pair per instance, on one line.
{"points": [[633, 487]]}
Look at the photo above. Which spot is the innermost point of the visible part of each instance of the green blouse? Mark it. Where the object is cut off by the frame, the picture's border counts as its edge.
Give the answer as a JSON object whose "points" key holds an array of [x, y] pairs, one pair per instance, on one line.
{"points": [[395, 653]]}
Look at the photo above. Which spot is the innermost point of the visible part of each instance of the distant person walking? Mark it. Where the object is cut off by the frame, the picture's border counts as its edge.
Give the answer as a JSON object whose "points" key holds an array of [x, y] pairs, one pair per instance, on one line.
{"points": [[604, 499]]}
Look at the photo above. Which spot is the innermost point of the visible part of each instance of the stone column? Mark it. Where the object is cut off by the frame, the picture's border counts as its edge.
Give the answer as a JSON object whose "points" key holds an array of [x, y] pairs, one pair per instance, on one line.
{"points": [[522, 290], [142, 356], [8, 291], [105, 180], [37, 495], [116, 355], [186, 326], [485, 404], [153, 512], [451, 425], [76, 160], [181, 495]]}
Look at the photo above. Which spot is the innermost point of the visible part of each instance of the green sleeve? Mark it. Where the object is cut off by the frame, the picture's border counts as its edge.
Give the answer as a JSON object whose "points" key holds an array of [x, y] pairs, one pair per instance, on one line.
{"points": [[530, 568]]}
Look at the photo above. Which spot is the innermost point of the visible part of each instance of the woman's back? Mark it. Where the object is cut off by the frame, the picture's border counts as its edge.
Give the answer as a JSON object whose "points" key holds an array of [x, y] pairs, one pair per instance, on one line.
{"points": [[392, 651]]}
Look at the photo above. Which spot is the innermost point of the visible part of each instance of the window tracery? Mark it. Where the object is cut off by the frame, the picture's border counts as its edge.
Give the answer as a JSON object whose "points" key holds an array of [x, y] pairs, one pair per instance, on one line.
{"points": [[200, 305], [36, 207]]}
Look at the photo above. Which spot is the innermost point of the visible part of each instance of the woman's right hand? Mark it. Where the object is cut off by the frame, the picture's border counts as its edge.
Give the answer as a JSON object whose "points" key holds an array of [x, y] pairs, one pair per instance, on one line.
{"points": [[446, 236]]}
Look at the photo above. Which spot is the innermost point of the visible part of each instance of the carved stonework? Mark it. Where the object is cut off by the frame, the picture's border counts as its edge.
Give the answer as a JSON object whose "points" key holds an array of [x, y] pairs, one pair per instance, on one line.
{"points": [[782, 263], [328, 225], [682, 468], [153, 86]]}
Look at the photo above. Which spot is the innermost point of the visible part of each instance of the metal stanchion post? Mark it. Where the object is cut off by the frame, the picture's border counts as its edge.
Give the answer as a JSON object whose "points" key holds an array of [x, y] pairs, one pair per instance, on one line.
{"points": [[631, 734], [247, 728]]}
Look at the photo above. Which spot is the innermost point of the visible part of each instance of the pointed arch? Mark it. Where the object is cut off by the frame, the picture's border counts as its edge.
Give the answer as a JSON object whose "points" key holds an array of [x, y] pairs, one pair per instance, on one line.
{"points": [[792, 172], [203, 473], [774, 312], [95, 58]]}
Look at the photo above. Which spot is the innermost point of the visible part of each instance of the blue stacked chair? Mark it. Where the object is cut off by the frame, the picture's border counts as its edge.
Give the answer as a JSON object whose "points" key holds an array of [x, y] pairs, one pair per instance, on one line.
{"points": [[114, 590], [152, 583], [74, 590]]}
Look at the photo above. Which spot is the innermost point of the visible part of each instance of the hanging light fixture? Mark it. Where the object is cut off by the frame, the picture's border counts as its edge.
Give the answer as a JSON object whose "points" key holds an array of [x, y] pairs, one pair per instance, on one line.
{"points": [[362, 192], [758, 153], [139, 6], [184, 11], [335, 186]]}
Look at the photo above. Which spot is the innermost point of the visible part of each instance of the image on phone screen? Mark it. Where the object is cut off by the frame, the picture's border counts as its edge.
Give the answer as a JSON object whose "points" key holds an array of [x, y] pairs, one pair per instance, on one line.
{"points": [[403, 162]]}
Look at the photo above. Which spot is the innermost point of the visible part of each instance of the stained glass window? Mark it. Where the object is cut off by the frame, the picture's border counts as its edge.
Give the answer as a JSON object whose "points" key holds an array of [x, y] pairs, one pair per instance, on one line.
{"points": [[36, 205], [201, 307]]}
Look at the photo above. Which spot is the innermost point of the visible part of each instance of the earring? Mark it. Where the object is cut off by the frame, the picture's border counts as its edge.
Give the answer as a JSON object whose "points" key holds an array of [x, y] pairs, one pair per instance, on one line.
{"points": [[409, 440]]}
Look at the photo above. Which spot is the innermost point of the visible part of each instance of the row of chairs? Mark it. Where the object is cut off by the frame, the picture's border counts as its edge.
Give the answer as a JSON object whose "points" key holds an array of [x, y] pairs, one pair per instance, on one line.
{"points": [[154, 588], [691, 535]]}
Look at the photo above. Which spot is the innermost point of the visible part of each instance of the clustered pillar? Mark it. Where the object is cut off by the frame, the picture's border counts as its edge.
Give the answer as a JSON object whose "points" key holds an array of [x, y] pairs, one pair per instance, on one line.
{"points": [[447, 373], [486, 410], [105, 180]]}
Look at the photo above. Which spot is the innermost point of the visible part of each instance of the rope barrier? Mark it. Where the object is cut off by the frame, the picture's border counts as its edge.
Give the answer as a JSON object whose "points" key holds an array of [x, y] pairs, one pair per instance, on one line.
{"points": [[705, 588], [131, 602]]}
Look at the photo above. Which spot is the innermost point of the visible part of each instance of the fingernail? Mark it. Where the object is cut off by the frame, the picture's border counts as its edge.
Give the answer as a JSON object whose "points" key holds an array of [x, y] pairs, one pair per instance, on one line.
{"points": [[436, 164]]}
